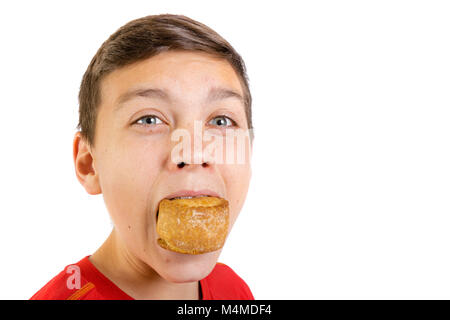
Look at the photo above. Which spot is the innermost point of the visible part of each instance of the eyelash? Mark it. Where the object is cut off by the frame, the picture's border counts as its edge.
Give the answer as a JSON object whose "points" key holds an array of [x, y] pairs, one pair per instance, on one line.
{"points": [[233, 123]]}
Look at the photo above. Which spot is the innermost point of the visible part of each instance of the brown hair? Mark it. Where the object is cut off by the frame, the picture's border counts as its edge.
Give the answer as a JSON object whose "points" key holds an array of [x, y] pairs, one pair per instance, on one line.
{"points": [[143, 38]]}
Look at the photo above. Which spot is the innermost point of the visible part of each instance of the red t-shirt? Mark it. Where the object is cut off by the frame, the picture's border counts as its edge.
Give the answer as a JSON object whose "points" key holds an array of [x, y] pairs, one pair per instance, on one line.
{"points": [[221, 284]]}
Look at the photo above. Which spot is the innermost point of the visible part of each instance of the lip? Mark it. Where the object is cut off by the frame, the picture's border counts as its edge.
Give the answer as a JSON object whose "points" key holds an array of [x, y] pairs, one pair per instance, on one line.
{"points": [[193, 193]]}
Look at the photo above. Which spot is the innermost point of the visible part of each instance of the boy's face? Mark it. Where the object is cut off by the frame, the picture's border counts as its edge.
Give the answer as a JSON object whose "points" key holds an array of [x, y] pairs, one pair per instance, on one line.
{"points": [[133, 159]]}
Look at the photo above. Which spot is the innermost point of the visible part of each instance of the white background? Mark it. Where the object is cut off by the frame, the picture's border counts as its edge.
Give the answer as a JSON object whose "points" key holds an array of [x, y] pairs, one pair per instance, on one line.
{"points": [[351, 179]]}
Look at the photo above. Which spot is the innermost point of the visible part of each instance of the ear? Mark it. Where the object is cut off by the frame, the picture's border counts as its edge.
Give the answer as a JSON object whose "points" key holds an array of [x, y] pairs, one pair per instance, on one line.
{"points": [[84, 165]]}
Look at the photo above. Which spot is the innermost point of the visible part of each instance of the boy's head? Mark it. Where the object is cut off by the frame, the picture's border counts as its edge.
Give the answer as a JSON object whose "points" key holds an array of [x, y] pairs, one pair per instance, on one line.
{"points": [[153, 77]]}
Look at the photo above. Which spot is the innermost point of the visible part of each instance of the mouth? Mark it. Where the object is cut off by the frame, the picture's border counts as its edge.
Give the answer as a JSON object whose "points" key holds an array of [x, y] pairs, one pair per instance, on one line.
{"points": [[189, 194], [189, 197], [182, 197]]}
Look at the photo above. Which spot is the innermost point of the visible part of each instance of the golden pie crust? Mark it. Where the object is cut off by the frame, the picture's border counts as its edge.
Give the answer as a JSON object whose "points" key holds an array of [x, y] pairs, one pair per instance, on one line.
{"points": [[193, 226]]}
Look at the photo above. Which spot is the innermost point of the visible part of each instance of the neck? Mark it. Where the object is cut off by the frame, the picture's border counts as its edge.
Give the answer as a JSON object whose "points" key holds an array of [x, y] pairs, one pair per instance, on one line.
{"points": [[135, 277]]}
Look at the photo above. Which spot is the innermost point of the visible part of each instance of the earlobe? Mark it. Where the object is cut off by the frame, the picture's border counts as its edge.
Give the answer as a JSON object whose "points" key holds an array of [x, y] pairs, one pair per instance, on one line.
{"points": [[84, 165]]}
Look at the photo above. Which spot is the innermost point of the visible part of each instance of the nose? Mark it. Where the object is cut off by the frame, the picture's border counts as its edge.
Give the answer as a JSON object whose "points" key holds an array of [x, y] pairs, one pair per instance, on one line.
{"points": [[188, 148]]}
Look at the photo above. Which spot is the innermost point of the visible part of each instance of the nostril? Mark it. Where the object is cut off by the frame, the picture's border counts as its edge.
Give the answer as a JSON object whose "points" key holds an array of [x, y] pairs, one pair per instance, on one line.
{"points": [[182, 164]]}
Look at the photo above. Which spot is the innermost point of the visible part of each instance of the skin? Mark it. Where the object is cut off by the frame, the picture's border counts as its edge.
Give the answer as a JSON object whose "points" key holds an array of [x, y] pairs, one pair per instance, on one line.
{"points": [[130, 163]]}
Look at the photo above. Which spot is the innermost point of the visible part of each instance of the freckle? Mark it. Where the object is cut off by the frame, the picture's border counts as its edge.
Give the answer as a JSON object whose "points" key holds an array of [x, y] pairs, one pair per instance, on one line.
{"points": [[129, 227]]}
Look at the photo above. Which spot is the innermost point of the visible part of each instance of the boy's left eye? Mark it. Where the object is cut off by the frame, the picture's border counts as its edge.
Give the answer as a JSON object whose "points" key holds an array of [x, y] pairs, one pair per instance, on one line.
{"points": [[222, 121]]}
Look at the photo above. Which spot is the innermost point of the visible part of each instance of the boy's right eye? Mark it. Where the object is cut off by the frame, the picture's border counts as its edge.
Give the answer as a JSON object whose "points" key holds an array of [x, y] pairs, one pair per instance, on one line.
{"points": [[148, 120]]}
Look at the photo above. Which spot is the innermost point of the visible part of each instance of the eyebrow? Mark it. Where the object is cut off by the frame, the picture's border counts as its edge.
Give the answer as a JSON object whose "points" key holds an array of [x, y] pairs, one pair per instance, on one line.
{"points": [[214, 94]]}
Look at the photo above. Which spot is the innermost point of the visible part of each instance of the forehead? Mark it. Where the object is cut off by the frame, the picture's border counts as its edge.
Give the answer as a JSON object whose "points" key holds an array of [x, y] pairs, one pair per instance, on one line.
{"points": [[185, 74]]}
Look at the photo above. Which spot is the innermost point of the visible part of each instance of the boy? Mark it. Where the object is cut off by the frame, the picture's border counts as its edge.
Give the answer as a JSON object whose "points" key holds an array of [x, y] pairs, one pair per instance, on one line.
{"points": [[154, 76]]}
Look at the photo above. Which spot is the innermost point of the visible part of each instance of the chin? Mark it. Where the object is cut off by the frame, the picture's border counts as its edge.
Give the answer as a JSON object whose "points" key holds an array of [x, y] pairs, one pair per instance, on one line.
{"points": [[181, 268]]}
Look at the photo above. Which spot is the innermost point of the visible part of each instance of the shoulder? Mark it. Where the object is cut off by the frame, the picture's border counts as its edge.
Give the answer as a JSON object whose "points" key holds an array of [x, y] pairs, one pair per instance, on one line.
{"points": [[225, 284], [68, 284]]}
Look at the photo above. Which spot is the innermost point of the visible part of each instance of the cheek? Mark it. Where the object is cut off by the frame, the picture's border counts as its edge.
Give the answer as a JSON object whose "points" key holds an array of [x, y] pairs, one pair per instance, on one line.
{"points": [[127, 177], [237, 180]]}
